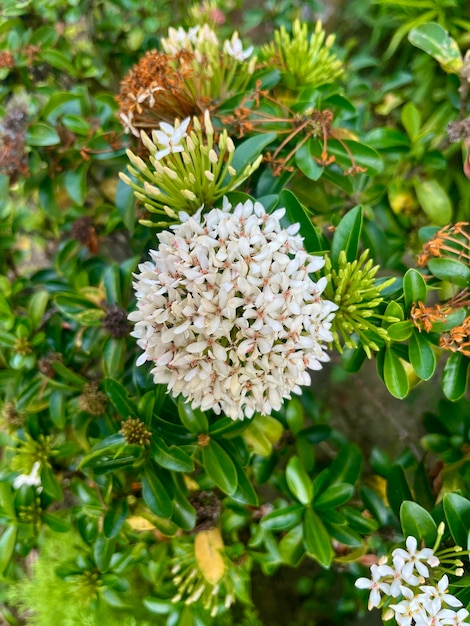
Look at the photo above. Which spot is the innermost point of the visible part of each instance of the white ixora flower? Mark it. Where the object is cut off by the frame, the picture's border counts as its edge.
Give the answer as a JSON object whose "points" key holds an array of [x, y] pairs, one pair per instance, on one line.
{"points": [[169, 137], [376, 584], [412, 558], [234, 48], [33, 478], [228, 313], [429, 592]]}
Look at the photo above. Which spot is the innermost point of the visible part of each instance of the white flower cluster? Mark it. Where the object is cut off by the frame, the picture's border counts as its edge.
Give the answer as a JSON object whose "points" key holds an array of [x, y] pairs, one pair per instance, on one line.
{"points": [[32, 479], [227, 311], [419, 604]]}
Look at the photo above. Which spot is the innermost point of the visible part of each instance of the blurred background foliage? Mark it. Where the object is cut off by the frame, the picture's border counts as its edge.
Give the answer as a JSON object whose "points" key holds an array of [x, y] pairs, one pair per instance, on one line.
{"points": [[129, 476]]}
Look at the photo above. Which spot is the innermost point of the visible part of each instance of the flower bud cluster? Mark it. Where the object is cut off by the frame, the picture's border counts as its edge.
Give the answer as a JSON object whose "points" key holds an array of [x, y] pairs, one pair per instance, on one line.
{"points": [[401, 590], [186, 170]]}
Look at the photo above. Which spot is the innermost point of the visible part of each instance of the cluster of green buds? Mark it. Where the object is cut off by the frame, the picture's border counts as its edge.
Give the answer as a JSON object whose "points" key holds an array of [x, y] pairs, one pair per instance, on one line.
{"points": [[186, 169], [134, 431], [304, 61], [30, 452], [354, 288]]}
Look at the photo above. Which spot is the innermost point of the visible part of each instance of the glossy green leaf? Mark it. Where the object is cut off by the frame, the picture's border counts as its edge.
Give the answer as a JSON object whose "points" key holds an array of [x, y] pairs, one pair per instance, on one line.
{"points": [[433, 200], [170, 457], [220, 467], [41, 134], [395, 375], [417, 522], [154, 493], [291, 546], [434, 40], [400, 331], [57, 408], [37, 307], [455, 376], [422, 356], [77, 124], [195, 420], [283, 519], [398, 489], [347, 235], [334, 496], [75, 181], [249, 150], [306, 162], [375, 505], [414, 288], [316, 539], [50, 484], [245, 493], [452, 270], [298, 481], [126, 205], [346, 466], [457, 512], [114, 352], [7, 547], [411, 120], [117, 393], [103, 550], [297, 214], [115, 517], [58, 60], [56, 523]]}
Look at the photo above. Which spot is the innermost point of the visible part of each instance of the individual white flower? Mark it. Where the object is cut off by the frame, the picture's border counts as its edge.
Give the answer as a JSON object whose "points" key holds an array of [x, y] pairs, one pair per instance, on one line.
{"points": [[430, 592], [396, 575], [169, 138], [376, 584], [408, 609], [459, 618], [433, 614], [234, 48], [227, 311], [33, 478], [412, 558]]}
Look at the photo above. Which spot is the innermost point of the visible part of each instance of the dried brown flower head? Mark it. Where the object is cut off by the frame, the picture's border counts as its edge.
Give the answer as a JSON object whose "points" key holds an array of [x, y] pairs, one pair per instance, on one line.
{"points": [[115, 321], [84, 232], [92, 400], [450, 241], [13, 158]]}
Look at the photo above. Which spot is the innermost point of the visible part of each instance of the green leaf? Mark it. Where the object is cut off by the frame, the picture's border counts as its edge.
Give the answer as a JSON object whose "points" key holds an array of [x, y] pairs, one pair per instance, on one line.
{"points": [[414, 288], [249, 150], [434, 40], [283, 519], [411, 120], [50, 484], [41, 134], [317, 541], [117, 393], [58, 524], [76, 124], [417, 522], [245, 493], [397, 489], [433, 200], [112, 284], [220, 467], [115, 517], [452, 270], [57, 409], [400, 331], [334, 496], [364, 156], [306, 163], [195, 420], [103, 550], [154, 493], [126, 204], [114, 352], [58, 60], [298, 481], [7, 547], [291, 546], [457, 512], [422, 356], [347, 236], [171, 457], [297, 214], [395, 375], [455, 376], [75, 181], [346, 466], [37, 307]]}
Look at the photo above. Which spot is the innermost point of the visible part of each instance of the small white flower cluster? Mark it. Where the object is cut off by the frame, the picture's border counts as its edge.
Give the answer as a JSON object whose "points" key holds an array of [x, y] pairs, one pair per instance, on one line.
{"points": [[419, 604], [228, 313], [197, 40], [33, 479]]}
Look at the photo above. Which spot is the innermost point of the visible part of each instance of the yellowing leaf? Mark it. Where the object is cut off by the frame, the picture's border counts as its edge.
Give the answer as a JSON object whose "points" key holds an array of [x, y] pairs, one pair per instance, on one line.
{"points": [[139, 523], [208, 545]]}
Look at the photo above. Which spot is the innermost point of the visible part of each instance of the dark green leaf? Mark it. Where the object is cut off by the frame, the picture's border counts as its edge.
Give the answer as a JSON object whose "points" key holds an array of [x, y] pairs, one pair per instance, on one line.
{"points": [[154, 493], [317, 541], [306, 163], [75, 181], [283, 519], [347, 236], [414, 288], [346, 467], [117, 393], [194, 419], [455, 376], [457, 512], [103, 550], [41, 134], [296, 214], [115, 517], [397, 489], [395, 375], [334, 496], [220, 467], [417, 522], [452, 270], [171, 457]]}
